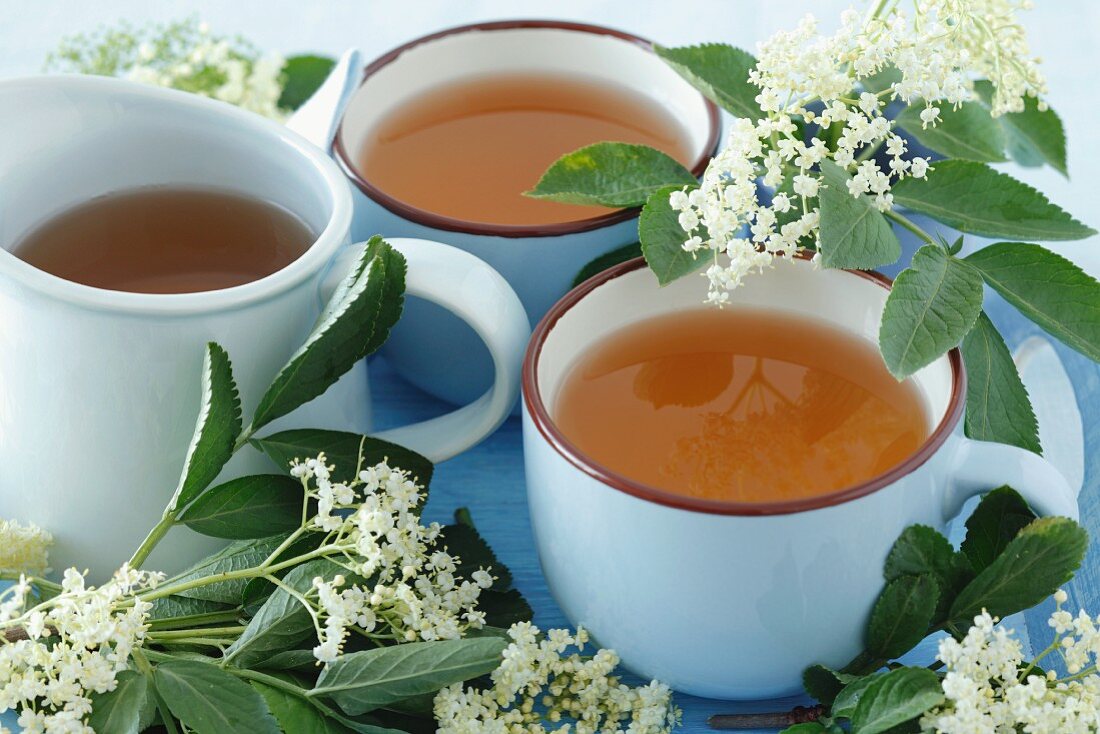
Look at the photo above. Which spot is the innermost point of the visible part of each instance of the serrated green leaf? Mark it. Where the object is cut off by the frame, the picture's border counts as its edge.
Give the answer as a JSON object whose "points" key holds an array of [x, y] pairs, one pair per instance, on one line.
{"points": [[504, 608], [1048, 289], [902, 615], [356, 322], [848, 698], [894, 698], [282, 622], [216, 430], [296, 715], [921, 550], [209, 700], [234, 557], [720, 72], [611, 175], [463, 540], [998, 518], [342, 451], [973, 198], [362, 681], [608, 260], [257, 506], [302, 76], [854, 234], [1033, 137], [119, 711], [1034, 564], [997, 404], [663, 238], [823, 684], [968, 132], [932, 306]]}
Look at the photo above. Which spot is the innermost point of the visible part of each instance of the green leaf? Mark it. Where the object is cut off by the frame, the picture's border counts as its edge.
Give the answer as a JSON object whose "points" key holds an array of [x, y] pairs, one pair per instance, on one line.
{"points": [[823, 684], [854, 234], [895, 698], [236, 556], [997, 405], [303, 75], [998, 518], [119, 711], [882, 80], [282, 622], [608, 260], [504, 608], [844, 706], [902, 615], [362, 681], [720, 72], [256, 506], [170, 607], [463, 540], [355, 322], [216, 430], [932, 306], [973, 198], [1034, 136], [806, 727], [1048, 289], [1034, 564], [298, 659], [342, 451], [968, 132], [663, 239], [296, 715], [610, 174], [920, 550], [209, 700]]}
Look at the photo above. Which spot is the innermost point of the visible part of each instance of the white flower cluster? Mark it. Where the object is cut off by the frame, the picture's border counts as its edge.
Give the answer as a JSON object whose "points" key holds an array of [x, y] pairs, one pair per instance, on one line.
{"points": [[415, 591], [989, 690], [68, 647], [832, 82], [24, 548], [541, 686]]}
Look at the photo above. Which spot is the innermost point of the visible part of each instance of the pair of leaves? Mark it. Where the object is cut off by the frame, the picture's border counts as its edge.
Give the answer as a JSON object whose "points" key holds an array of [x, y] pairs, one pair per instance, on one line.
{"points": [[363, 681]]}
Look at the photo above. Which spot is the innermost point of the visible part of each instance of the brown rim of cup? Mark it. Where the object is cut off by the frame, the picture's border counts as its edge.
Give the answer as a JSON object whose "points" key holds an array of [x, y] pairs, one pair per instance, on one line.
{"points": [[452, 224], [540, 416]]}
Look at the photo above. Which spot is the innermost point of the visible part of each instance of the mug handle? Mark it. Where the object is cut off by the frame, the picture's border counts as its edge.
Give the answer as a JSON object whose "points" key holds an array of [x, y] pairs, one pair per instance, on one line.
{"points": [[981, 466], [469, 288]]}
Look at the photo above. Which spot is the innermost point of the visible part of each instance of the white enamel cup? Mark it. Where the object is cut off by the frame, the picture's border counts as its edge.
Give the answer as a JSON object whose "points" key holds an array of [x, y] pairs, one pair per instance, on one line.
{"points": [[538, 261], [729, 600], [99, 389]]}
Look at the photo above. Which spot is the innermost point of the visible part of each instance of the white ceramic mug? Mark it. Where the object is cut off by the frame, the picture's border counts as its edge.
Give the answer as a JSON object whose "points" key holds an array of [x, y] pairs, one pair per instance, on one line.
{"points": [[538, 261], [732, 600], [99, 389]]}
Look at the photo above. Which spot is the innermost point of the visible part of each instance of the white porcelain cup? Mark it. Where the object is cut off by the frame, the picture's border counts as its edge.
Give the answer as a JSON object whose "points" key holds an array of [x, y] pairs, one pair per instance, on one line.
{"points": [[538, 261], [731, 600], [99, 389]]}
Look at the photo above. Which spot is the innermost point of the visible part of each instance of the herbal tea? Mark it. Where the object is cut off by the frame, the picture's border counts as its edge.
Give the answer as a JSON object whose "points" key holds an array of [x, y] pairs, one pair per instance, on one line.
{"points": [[470, 149], [740, 405], [167, 240]]}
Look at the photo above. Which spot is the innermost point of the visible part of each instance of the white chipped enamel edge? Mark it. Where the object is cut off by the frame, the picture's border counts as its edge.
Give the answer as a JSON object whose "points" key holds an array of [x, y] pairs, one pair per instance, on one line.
{"points": [[729, 606]]}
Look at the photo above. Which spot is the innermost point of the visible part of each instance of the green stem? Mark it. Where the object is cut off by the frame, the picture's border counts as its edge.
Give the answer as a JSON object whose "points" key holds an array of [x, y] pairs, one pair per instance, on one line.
{"points": [[190, 633], [218, 642], [155, 536], [269, 680], [909, 225], [32, 580], [194, 620], [147, 670]]}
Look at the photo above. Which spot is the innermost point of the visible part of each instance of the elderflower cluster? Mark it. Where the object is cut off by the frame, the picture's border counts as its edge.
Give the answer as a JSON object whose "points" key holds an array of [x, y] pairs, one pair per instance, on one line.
{"points": [[415, 590], [24, 548], [836, 83], [183, 55], [989, 689], [546, 683], [55, 655]]}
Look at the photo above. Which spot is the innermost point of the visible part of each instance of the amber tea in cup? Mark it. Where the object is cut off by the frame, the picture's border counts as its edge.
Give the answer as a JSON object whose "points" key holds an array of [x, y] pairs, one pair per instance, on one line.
{"points": [[470, 148], [167, 239], [741, 405]]}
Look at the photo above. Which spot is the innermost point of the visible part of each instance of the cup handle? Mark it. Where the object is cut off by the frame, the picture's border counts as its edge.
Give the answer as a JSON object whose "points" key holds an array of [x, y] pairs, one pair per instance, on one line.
{"points": [[981, 466], [469, 288]]}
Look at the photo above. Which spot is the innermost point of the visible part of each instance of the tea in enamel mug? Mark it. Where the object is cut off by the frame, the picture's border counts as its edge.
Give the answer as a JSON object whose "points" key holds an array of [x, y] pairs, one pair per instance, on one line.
{"points": [[741, 405], [469, 149]]}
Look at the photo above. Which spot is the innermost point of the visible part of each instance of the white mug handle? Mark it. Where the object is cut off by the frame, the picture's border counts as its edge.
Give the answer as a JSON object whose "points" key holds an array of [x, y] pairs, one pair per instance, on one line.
{"points": [[470, 289], [981, 466]]}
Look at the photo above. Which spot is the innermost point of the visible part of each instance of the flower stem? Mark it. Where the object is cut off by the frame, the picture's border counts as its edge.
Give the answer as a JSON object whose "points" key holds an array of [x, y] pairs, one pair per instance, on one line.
{"points": [[191, 633], [269, 680], [909, 225], [155, 536], [193, 620]]}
